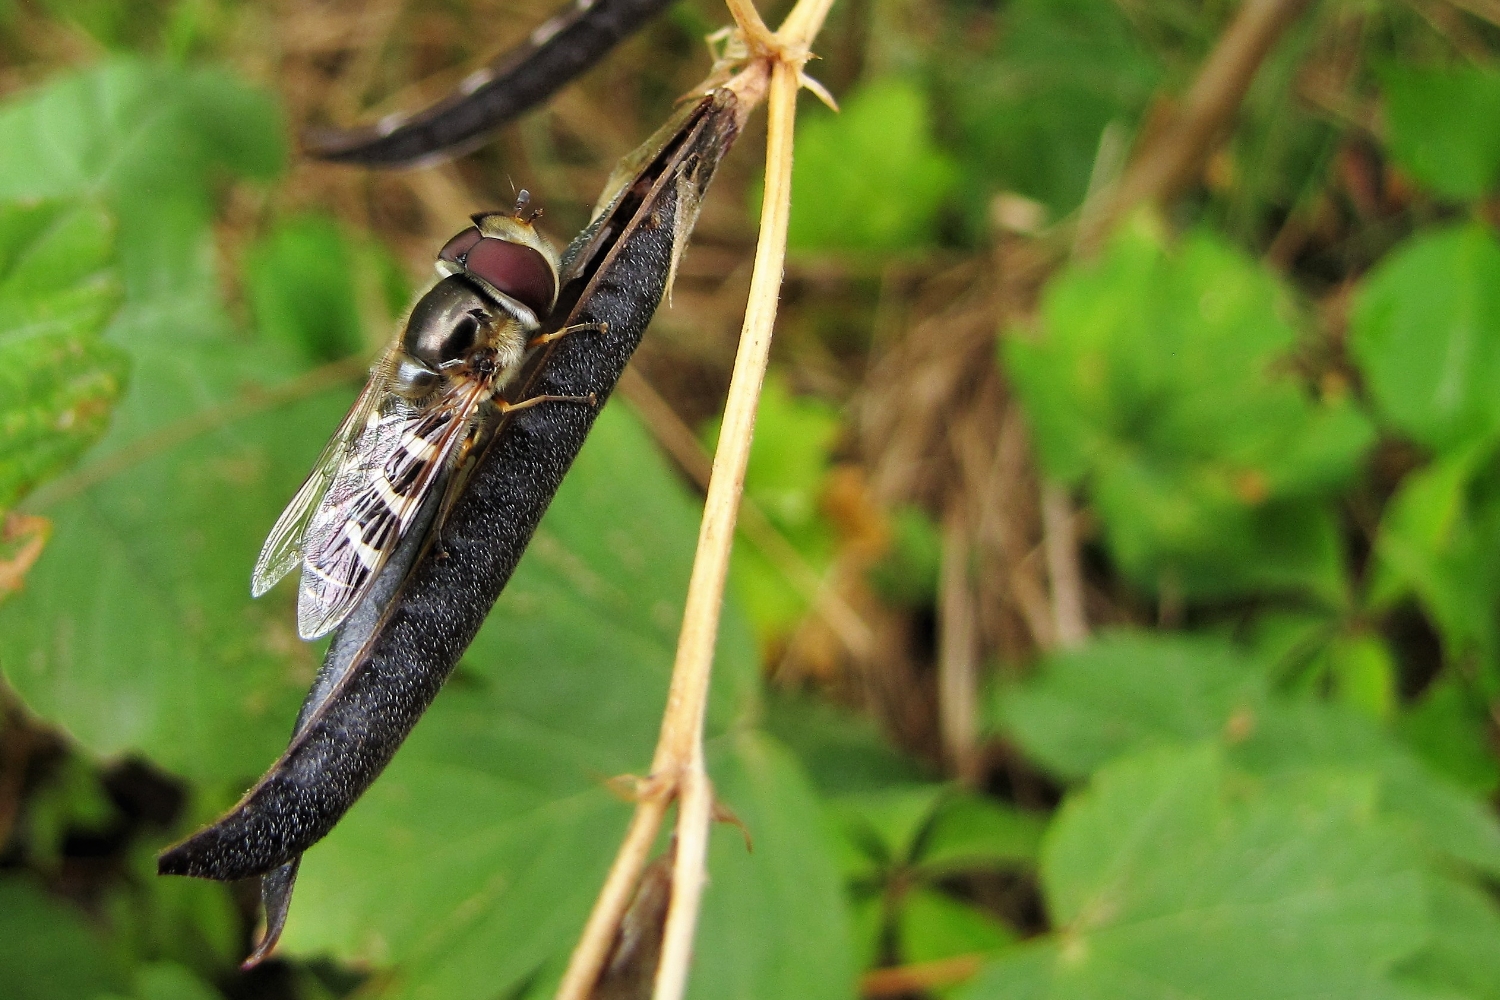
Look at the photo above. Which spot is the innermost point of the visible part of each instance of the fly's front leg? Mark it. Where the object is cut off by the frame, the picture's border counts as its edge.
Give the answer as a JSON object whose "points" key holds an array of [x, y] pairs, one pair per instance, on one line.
{"points": [[548, 338]]}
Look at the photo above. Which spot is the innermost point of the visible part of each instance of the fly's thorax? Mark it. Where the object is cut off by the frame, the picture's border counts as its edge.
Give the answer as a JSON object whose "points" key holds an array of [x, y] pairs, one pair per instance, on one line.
{"points": [[505, 255], [511, 338], [448, 324], [456, 331]]}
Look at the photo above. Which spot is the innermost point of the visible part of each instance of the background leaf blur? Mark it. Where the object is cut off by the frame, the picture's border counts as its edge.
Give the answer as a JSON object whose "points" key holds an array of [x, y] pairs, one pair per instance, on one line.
{"points": [[1265, 408]]}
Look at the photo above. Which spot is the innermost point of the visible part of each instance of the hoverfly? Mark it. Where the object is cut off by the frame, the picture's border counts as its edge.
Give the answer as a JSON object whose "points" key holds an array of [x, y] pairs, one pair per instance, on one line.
{"points": [[464, 341]]}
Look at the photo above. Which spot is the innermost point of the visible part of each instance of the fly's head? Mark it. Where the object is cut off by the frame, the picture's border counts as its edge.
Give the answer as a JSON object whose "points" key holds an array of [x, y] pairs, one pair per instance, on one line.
{"points": [[498, 283], [505, 255]]}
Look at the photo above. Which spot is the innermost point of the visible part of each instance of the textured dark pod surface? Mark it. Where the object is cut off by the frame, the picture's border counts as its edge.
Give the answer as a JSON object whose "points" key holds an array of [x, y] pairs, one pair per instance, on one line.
{"points": [[557, 51], [389, 660]]}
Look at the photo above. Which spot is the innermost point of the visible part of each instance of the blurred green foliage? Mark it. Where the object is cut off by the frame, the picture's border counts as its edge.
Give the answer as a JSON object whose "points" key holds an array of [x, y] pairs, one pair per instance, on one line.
{"points": [[1444, 151], [1149, 714], [58, 377], [902, 843], [1163, 381], [1173, 878], [869, 179], [1276, 406], [316, 290], [1030, 111]]}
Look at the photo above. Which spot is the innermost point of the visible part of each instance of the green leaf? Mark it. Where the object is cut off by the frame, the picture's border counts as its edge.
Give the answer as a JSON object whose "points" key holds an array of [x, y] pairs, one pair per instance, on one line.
{"points": [[774, 920], [1460, 960], [1169, 877], [167, 981], [1431, 115], [1436, 542], [300, 282], [150, 141], [887, 823], [58, 379], [1031, 112], [1293, 736], [72, 798], [973, 833], [195, 923], [867, 917], [48, 952], [1160, 382], [868, 179], [840, 749], [1364, 674], [135, 631], [117, 24], [1448, 727], [1128, 692], [1291, 643], [470, 866], [1425, 329], [908, 573], [932, 925]]}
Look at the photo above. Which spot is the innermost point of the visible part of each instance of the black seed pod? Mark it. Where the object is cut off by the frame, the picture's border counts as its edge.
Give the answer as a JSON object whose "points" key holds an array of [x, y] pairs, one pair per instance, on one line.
{"points": [[391, 656], [559, 49]]}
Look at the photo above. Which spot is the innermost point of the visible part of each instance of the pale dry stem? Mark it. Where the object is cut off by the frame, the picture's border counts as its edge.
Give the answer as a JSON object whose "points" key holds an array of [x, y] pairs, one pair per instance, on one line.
{"points": [[681, 748], [846, 624], [677, 770]]}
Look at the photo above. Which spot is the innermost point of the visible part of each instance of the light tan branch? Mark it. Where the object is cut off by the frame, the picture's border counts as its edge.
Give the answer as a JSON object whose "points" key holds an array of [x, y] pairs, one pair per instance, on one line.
{"points": [[826, 603], [677, 769], [682, 729]]}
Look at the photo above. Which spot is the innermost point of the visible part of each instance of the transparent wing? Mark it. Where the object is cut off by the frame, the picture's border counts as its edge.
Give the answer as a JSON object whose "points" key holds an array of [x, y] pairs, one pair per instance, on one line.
{"points": [[372, 502], [282, 550]]}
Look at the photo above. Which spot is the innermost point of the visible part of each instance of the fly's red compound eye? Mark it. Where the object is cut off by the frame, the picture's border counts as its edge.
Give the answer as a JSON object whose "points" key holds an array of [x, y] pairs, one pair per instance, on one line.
{"points": [[453, 251], [516, 270]]}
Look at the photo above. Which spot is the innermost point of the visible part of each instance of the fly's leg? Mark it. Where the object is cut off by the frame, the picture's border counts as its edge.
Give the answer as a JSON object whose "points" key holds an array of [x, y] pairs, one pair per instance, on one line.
{"points": [[508, 408], [548, 338]]}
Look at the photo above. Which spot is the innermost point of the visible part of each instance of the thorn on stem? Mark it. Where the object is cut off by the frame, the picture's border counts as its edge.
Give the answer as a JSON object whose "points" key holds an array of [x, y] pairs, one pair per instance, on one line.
{"points": [[723, 814]]}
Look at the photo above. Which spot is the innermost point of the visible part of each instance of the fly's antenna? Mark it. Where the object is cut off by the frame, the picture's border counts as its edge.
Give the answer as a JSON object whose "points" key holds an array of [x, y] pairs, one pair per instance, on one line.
{"points": [[523, 199]]}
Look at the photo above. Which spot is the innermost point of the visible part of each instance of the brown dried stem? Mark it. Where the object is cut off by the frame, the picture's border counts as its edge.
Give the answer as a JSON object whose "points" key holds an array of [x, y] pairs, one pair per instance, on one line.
{"points": [[1060, 541], [1169, 164], [677, 770], [904, 980], [958, 655]]}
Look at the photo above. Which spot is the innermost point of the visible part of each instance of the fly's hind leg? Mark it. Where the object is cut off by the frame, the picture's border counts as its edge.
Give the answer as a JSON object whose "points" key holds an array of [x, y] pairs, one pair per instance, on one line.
{"points": [[548, 338], [508, 408]]}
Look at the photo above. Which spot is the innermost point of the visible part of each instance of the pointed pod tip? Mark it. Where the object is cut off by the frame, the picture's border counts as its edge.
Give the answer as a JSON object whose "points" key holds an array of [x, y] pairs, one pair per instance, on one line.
{"points": [[210, 853], [263, 949], [175, 860]]}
